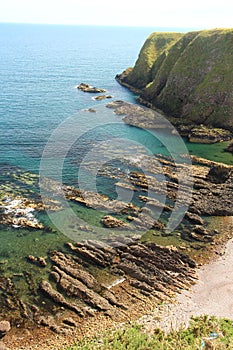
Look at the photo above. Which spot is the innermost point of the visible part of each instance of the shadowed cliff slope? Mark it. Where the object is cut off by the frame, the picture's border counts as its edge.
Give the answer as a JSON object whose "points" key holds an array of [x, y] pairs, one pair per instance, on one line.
{"points": [[188, 76]]}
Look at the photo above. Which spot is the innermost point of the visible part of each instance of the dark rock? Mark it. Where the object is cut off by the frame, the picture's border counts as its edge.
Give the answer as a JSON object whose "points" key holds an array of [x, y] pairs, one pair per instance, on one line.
{"points": [[200, 230], [145, 221], [148, 268], [201, 238], [32, 258], [70, 322], [196, 219], [42, 261], [75, 288], [88, 255], [219, 173]]}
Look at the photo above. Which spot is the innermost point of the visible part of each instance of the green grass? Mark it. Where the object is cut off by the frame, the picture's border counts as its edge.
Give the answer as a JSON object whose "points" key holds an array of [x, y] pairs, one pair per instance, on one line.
{"points": [[134, 338], [152, 49], [188, 76]]}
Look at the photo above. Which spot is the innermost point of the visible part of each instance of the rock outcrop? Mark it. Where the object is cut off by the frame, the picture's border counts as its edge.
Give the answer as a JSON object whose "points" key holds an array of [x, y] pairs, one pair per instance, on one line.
{"points": [[202, 134], [187, 76], [102, 97], [90, 278], [135, 268], [88, 88]]}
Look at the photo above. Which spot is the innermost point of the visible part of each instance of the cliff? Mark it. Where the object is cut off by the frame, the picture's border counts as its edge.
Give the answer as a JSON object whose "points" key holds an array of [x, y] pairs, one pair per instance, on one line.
{"points": [[187, 76]]}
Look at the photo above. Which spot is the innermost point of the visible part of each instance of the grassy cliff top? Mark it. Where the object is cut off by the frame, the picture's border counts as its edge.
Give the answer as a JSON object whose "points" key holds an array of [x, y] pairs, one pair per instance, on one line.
{"points": [[188, 76]]}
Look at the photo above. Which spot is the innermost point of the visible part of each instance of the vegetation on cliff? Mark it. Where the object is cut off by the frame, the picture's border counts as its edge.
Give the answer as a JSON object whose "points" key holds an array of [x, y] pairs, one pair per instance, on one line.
{"points": [[188, 76], [197, 336]]}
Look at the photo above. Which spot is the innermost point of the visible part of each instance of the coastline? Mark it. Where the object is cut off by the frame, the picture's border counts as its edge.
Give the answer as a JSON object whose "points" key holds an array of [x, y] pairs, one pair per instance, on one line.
{"points": [[214, 299], [142, 290], [211, 295], [48, 321], [194, 133]]}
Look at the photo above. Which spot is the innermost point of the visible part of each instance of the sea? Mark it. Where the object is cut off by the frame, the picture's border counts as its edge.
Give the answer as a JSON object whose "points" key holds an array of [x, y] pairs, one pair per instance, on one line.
{"points": [[41, 66]]}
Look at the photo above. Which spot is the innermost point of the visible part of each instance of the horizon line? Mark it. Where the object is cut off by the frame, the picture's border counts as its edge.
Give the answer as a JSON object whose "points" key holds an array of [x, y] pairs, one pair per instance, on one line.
{"points": [[108, 25]]}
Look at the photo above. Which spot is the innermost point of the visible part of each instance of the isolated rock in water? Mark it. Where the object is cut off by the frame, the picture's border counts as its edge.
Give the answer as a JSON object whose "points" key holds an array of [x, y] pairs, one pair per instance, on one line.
{"points": [[88, 88], [4, 328], [102, 97]]}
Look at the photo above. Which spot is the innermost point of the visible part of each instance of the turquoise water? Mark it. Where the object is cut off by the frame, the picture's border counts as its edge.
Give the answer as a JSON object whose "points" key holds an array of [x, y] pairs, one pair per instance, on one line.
{"points": [[213, 152], [40, 69]]}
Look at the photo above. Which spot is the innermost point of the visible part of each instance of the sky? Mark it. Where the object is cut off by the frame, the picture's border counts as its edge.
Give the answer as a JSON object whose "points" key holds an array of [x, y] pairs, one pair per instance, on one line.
{"points": [[198, 14]]}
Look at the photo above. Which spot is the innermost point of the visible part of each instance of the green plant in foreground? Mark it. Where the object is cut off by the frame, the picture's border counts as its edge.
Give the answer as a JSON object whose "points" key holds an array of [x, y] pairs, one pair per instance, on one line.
{"points": [[135, 338]]}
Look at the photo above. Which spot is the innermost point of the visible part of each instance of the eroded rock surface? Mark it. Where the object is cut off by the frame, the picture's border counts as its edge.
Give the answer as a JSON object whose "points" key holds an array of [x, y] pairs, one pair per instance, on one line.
{"points": [[147, 268], [131, 272]]}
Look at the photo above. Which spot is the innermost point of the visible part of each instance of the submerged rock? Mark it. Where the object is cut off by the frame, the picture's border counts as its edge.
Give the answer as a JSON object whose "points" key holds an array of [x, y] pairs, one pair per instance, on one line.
{"points": [[37, 260]]}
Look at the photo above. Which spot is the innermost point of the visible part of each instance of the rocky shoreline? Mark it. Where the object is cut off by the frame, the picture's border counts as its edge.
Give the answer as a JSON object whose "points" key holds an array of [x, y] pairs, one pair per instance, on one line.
{"points": [[139, 271], [187, 76], [194, 133], [111, 278], [138, 265]]}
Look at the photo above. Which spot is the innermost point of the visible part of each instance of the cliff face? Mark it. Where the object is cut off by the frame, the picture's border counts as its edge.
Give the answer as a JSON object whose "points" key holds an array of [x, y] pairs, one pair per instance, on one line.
{"points": [[188, 76]]}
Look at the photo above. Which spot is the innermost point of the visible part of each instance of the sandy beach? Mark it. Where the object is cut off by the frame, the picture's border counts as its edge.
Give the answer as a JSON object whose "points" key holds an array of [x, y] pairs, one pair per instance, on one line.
{"points": [[211, 295]]}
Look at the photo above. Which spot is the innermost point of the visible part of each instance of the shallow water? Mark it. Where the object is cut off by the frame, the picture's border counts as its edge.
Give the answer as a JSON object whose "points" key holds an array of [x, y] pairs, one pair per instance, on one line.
{"points": [[41, 66]]}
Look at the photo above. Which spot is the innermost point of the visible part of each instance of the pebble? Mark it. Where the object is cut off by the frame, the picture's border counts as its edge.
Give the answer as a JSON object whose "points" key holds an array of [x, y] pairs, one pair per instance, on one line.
{"points": [[4, 328]]}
